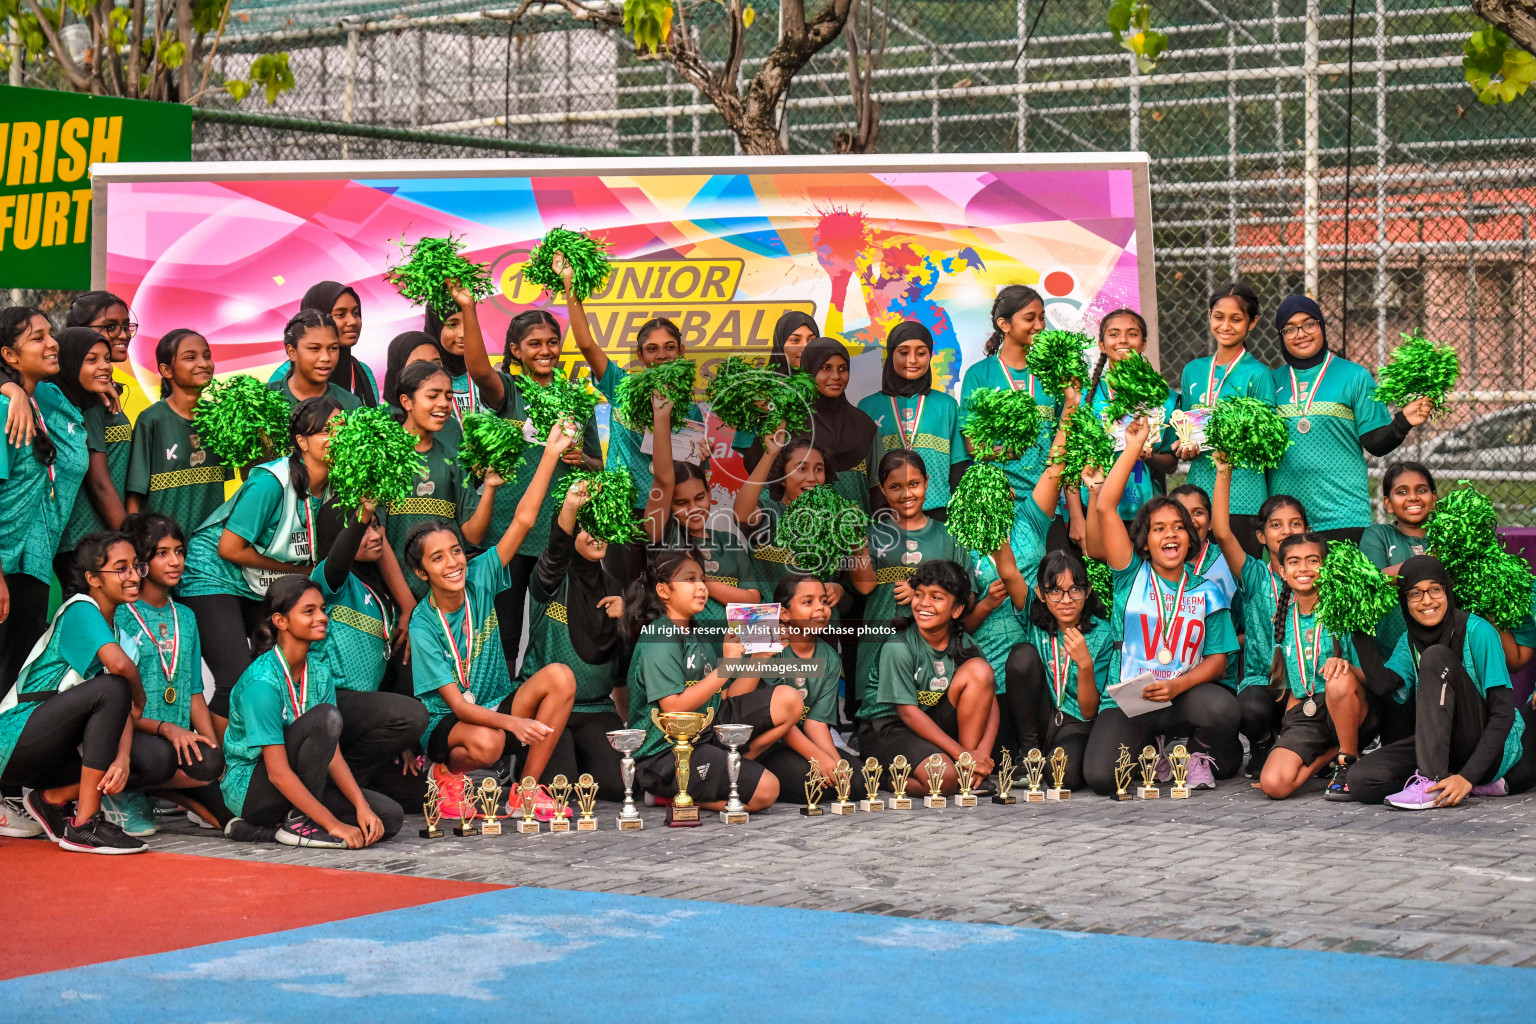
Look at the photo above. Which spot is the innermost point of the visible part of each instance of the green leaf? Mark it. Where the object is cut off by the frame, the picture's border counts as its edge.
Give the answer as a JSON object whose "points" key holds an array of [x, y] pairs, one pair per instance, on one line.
{"points": [[748, 16], [172, 54], [1496, 71], [1119, 17], [1130, 22], [270, 71], [206, 15], [237, 88], [648, 22]]}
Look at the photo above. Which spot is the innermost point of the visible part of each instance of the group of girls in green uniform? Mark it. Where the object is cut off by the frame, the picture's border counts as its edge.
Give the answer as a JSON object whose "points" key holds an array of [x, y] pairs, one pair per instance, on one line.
{"points": [[234, 645]]}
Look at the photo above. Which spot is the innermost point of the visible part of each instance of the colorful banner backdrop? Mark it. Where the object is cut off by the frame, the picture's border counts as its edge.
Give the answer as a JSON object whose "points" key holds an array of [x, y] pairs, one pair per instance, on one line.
{"points": [[48, 142]]}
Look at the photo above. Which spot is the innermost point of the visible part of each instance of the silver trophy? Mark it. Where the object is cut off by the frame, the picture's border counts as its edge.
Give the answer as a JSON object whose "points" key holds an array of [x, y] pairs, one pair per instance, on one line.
{"points": [[733, 736], [626, 742]]}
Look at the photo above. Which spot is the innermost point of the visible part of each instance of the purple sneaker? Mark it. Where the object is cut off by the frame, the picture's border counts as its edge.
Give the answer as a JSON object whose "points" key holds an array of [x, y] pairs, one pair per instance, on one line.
{"points": [[1164, 770], [1498, 787], [1200, 774], [1415, 796]]}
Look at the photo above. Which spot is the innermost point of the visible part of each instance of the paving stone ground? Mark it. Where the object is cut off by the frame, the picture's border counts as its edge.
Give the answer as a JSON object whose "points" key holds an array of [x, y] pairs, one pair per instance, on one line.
{"points": [[1228, 866]]}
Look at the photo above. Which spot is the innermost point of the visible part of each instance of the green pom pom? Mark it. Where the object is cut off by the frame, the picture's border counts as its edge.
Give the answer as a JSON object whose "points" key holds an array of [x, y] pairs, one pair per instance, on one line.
{"points": [[981, 509], [491, 444], [1001, 424], [372, 459], [609, 514], [1102, 579], [1352, 594], [1419, 368], [1248, 432], [1088, 444], [819, 528], [1056, 359], [427, 265], [1137, 388], [586, 256], [242, 421], [1461, 530], [749, 398], [560, 399], [1495, 586], [674, 379]]}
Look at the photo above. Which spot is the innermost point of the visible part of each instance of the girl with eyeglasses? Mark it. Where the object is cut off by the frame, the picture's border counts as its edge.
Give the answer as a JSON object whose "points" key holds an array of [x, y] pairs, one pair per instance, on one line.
{"points": [[85, 377], [110, 317]]}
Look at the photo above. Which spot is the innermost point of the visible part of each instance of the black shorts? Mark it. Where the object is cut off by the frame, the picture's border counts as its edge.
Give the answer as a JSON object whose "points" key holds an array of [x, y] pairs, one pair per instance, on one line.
{"points": [[1309, 738], [437, 743], [886, 737], [754, 708]]}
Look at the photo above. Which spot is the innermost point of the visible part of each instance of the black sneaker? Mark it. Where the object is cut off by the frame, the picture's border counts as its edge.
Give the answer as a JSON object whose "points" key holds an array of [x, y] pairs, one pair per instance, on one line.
{"points": [[53, 817], [300, 830], [1338, 785], [98, 835], [1257, 755], [242, 831]]}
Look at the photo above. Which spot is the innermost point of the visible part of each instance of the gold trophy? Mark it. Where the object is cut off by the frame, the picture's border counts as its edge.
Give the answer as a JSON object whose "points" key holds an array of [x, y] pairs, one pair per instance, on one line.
{"points": [[934, 769], [431, 809], [1148, 760], [815, 783], [965, 773], [467, 812], [560, 789], [1034, 767], [490, 805], [1179, 759], [527, 825], [900, 772], [1059, 791], [1124, 766], [871, 772], [681, 727], [1004, 793], [842, 782], [586, 799]]}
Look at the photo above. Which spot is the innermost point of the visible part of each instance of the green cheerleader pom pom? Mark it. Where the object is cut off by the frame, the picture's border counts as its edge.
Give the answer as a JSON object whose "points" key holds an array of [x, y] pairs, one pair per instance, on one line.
{"points": [[1352, 594], [1102, 579], [819, 528], [1461, 530], [1056, 359], [491, 445], [1137, 388], [427, 265], [560, 399], [674, 379], [1001, 424], [1088, 444], [1495, 586], [242, 421], [609, 514], [372, 459], [586, 256], [981, 509], [1248, 432], [739, 392], [1419, 368]]}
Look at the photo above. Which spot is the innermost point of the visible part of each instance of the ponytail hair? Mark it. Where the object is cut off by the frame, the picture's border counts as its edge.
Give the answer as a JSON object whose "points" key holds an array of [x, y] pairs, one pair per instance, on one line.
{"points": [[1008, 302], [310, 416], [954, 580], [304, 321], [165, 353], [894, 459], [14, 320], [642, 605], [148, 529], [518, 329], [1239, 291], [1098, 370], [91, 556], [282, 595], [409, 381], [1283, 609]]}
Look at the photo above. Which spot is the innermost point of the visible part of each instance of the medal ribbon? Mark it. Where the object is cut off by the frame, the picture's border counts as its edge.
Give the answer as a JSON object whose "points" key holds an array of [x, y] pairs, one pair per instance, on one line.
{"points": [[299, 697], [169, 670], [460, 664], [383, 614], [1316, 387], [1059, 669], [43, 429], [1165, 643], [1029, 378], [917, 421], [1213, 389], [1301, 660]]}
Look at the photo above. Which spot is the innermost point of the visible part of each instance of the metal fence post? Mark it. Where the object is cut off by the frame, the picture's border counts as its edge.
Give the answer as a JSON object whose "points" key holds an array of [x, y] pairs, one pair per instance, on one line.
{"points": [[1309, 258], [349, 93]]}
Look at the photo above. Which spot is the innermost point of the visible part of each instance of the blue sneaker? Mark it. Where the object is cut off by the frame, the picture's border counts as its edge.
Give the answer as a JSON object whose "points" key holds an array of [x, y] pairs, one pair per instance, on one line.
{"points": [[130, 812]]}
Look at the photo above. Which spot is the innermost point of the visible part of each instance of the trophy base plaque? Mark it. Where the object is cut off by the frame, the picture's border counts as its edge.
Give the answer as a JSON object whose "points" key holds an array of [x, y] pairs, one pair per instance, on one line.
{"points": [[528, 827], [935, 801], [586, 824], [630, 824], [560, 825], [843, 807], [811, 812], [683, 817], [1148, 793], [871, 805], [491, 828], [465, 831], [1178, 793], [1058, 794], [1121, 794], [430, 833], [1034, 796], [1005, 799], [901, 803], [965, 799], [735, 817]]}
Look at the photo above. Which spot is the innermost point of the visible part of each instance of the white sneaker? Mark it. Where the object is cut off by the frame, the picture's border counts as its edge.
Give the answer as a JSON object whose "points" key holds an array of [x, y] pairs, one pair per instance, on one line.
{"points": [[14, 821], [197, 819]]}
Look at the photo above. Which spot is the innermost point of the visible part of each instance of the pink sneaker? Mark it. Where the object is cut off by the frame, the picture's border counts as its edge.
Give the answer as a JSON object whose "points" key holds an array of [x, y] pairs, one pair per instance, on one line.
{"points": [[1415, 796], [1200, 774], [1498, 787], [544, 805], [450, 789]]}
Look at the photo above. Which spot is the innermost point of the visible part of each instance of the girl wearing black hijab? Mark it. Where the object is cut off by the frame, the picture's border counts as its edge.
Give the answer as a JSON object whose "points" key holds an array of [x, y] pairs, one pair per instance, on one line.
{"points": [[342, 304], [1328, 405], [910, 414], [85, 377], [791, 334], [417, 347], [1469, 737], [450, 336]]}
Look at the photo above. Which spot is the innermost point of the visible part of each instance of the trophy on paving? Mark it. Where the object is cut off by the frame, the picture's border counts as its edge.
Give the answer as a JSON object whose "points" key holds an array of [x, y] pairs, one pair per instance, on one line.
{"points": [[528, 825], [815, 783], [733, 736], [467, 812], [681, 727], [1059, 790], [560, 790], [842, 782], [871, 772], [1034, 767], [1179, 759], [431, 809], [586, 799], [1124, 766], [934, 769], [1004, 794], [490, 806], [626, 742], [965, 773], [1148, 760], [900, 772]]}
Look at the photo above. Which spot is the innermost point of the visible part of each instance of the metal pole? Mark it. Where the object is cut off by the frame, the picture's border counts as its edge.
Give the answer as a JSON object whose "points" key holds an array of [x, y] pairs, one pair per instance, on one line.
{"points": [[1232, 156], [351, 84], [1133, 109], [1022, 66], [1381, 187], [1310, 144]]}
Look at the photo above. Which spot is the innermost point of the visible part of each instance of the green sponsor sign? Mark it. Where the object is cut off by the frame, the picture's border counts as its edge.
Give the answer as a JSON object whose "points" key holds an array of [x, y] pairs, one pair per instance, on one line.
{"points": [[48, 141]]}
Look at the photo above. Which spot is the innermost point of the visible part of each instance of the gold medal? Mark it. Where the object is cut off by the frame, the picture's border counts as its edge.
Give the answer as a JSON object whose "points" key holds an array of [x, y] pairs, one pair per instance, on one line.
{"points": [[170, 695]]}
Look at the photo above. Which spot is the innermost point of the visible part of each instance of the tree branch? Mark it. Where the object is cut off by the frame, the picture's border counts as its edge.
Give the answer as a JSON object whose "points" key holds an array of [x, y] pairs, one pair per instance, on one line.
{"points": [[71, 71], [1517, 18]]}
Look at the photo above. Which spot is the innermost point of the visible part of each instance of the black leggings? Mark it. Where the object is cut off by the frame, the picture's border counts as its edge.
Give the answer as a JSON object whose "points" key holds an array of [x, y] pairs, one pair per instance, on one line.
{"points": [[311, 741], [1258, 717], [19, 632], [1031, 719], [509, 609], [224, 625], [75, 728], [1207, 713], [152, 762], [376, 728], [584, 747]]}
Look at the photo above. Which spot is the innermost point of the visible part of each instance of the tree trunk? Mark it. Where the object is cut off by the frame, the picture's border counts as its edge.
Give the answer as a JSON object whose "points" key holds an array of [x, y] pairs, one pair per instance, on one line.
{"points": [[1517, 18]]}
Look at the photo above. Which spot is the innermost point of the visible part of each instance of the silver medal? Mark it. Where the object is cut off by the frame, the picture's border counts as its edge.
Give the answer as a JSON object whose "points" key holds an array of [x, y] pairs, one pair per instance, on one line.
{"points": [[469, 698], [1309, 707], [1303, 426], [1164, 656]]}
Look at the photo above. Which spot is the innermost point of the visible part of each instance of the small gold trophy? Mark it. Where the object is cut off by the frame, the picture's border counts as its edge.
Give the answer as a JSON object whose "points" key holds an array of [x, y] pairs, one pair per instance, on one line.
{"points": [[490, 806], [1004, 794], [1124, 766], [965, 773], [586, 799], [681, 727], [560, 790], [842, 782], [1148, 760], [871, 772], [431, 809], [934, 769], [1034, 767], [1179, 759], [467, 812], [815, 783], [900, 772], [1059, 790], [527, 825]]}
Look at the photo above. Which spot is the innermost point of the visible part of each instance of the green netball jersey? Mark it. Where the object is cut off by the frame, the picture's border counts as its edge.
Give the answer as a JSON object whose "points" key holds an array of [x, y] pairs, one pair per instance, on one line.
{"points": [[170, 468], [1385, 545], [441, 492], [265, 701], [36, 500], [170, 658], [1025, 470], [1324, 466], [624, 441], [914, 672], [78, 632], [1261, 591], [1201, 387], [1305, 655], [109, 434], [255, 514], [815, 679], [1061, 670], [340, 395], [1004, 627], [727, 561], [514, 409], [928, 424], [549, 643], [442, 641], [356, 646], [667, 660]]}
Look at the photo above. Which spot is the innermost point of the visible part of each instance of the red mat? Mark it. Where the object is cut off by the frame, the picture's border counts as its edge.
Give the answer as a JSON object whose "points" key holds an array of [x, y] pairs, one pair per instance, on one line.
{"points": [[116, 907]]}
